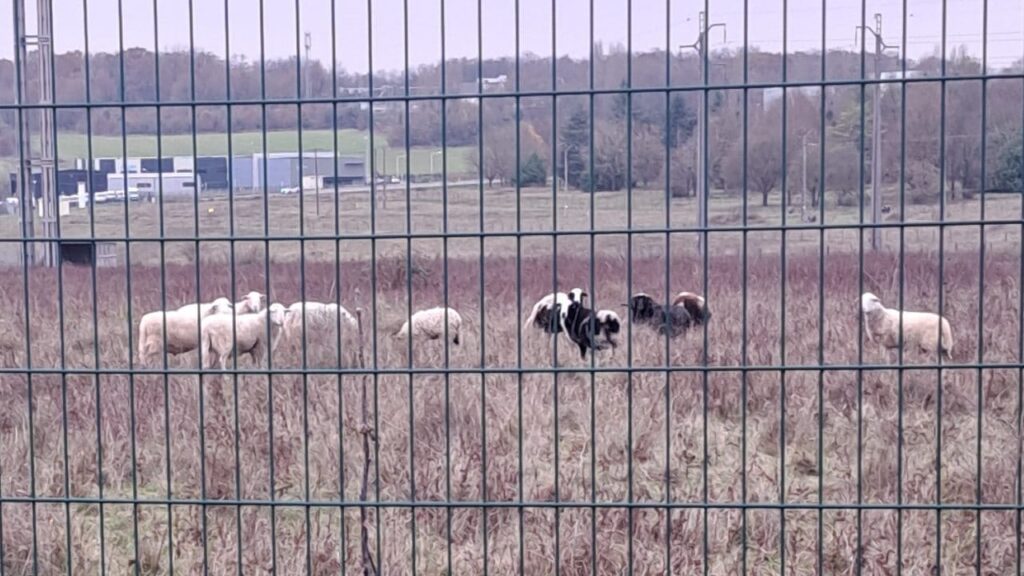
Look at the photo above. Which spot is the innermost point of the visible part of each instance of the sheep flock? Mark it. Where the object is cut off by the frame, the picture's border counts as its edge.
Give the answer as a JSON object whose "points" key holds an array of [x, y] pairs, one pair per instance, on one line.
{"points": [[222, 329]]}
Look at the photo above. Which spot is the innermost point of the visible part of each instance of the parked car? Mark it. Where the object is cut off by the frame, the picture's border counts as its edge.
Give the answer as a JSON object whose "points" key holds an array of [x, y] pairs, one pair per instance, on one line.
{"points": [[290, 190]]}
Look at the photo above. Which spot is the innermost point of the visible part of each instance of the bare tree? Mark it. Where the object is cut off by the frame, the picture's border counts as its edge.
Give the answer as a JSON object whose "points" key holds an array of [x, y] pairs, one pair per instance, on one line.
{"points": [[922, 181], [648, 156], [842, 172], [764, 164], [499, 154]]}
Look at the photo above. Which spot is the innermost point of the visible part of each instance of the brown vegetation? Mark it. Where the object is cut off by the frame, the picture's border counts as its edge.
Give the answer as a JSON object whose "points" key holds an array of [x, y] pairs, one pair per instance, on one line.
{"points": [[492, 438]]}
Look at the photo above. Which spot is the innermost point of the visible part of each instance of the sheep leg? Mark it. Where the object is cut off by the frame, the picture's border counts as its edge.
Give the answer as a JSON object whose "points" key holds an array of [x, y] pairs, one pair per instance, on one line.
{"points": [[256, 354], [583, 350]]}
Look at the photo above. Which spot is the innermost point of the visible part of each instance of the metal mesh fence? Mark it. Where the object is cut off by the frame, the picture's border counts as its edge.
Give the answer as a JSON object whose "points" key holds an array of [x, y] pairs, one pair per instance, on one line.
{"points": [[367, 398]]}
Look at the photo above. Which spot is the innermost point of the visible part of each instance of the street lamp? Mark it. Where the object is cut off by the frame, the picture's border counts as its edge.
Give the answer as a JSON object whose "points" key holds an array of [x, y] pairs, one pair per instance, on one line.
{"points": [[398, 158], [432, 154]]}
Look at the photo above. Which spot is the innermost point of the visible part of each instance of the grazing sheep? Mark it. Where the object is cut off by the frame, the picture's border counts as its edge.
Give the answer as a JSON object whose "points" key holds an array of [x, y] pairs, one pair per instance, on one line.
{"points": [[248, 335], [920, 329], [201, 310], [429, 324], [695, 306], [319, 317], [182, 329], [673, 320], [608, 325], [549, 312], [585, 327]]}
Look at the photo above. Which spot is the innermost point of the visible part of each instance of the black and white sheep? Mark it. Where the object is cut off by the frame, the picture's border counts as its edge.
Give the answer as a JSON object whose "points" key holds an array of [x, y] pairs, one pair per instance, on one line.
{"points": [[548, 314], [430, 325], [696, 306], [182, 326], [920, 329], [686, 311], [591, 330], [223, 338]]}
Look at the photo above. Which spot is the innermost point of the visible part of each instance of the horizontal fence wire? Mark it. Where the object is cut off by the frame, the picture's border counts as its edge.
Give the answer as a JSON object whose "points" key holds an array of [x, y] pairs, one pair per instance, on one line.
{"points": [[390, 412]]}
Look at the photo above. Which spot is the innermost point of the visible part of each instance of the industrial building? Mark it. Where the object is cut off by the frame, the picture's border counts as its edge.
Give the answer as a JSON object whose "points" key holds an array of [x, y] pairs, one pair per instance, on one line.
{"points": [[150, 184], [282, 169]]}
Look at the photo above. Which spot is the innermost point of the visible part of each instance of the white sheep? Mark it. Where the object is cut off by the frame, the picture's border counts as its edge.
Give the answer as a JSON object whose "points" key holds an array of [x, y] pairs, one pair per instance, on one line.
{"points": [[920, 329], [248, 335], [202, 310], [319, 317], [182, 328], [429, 325]]}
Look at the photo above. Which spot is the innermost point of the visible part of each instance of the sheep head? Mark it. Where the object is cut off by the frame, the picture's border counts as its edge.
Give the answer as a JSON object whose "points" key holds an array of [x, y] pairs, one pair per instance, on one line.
{"points": [[641, 307], [220, 306], [277, 313], [577, 295], [252, 302], [870, 303]]}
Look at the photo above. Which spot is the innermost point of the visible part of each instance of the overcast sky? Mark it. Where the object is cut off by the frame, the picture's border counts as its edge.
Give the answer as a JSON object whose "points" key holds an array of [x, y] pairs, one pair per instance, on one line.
{"points": [[924, 26]]}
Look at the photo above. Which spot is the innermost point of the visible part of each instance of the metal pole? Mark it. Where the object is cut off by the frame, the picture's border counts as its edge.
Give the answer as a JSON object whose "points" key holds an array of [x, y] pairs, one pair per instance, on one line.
{"points": [[876, 133], [565, 168], [803, 184], [876, 154], [316, 178], [24, 169], [700, 46]]}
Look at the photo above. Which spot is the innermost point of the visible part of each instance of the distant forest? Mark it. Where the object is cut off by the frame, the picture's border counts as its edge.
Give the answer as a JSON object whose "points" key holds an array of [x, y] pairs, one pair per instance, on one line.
{"points": [[659, 124]]}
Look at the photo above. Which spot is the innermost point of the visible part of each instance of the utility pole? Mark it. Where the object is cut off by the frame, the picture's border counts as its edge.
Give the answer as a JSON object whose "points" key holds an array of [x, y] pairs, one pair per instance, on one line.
{"points": [[565, 168], [701, 47], [43, 158], [876, 130], [316, 178], [305, 69], [803, 184]]}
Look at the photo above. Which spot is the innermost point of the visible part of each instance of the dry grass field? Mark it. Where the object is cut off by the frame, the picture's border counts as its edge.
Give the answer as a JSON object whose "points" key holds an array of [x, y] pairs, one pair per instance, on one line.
{"points": [[626, 433]]}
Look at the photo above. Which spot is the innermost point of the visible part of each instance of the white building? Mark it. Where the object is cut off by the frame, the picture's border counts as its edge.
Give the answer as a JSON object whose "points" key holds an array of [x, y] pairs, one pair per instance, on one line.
{"points": [[146, 183]]}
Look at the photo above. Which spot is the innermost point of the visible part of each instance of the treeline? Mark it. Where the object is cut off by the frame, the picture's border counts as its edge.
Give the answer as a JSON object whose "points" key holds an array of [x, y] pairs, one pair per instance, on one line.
{"points": [[923, 126]]}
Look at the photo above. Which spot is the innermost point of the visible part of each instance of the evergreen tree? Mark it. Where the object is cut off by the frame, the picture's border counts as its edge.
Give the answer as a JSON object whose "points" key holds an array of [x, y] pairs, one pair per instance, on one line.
{"points": [[575, 141]]}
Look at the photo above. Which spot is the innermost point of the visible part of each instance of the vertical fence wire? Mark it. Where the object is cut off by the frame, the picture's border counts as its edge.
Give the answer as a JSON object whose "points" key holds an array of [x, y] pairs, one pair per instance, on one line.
{"points": [[520, 516], [61, 324], [667, 487], [979, 495], [408, 287], [820, 194], [901, 275], [1019, 481], [630, 520], [744, 351], [272, 479], [941, 286]]}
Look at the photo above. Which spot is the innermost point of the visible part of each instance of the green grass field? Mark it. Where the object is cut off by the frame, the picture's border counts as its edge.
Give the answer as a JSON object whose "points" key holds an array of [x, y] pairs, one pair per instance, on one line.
{"points": [[74, 145]]}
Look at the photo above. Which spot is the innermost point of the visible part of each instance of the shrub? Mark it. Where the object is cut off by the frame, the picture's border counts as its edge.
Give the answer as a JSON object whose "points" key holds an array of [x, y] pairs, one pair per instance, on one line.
{"points": [[922, 182], [1009, 172]]}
